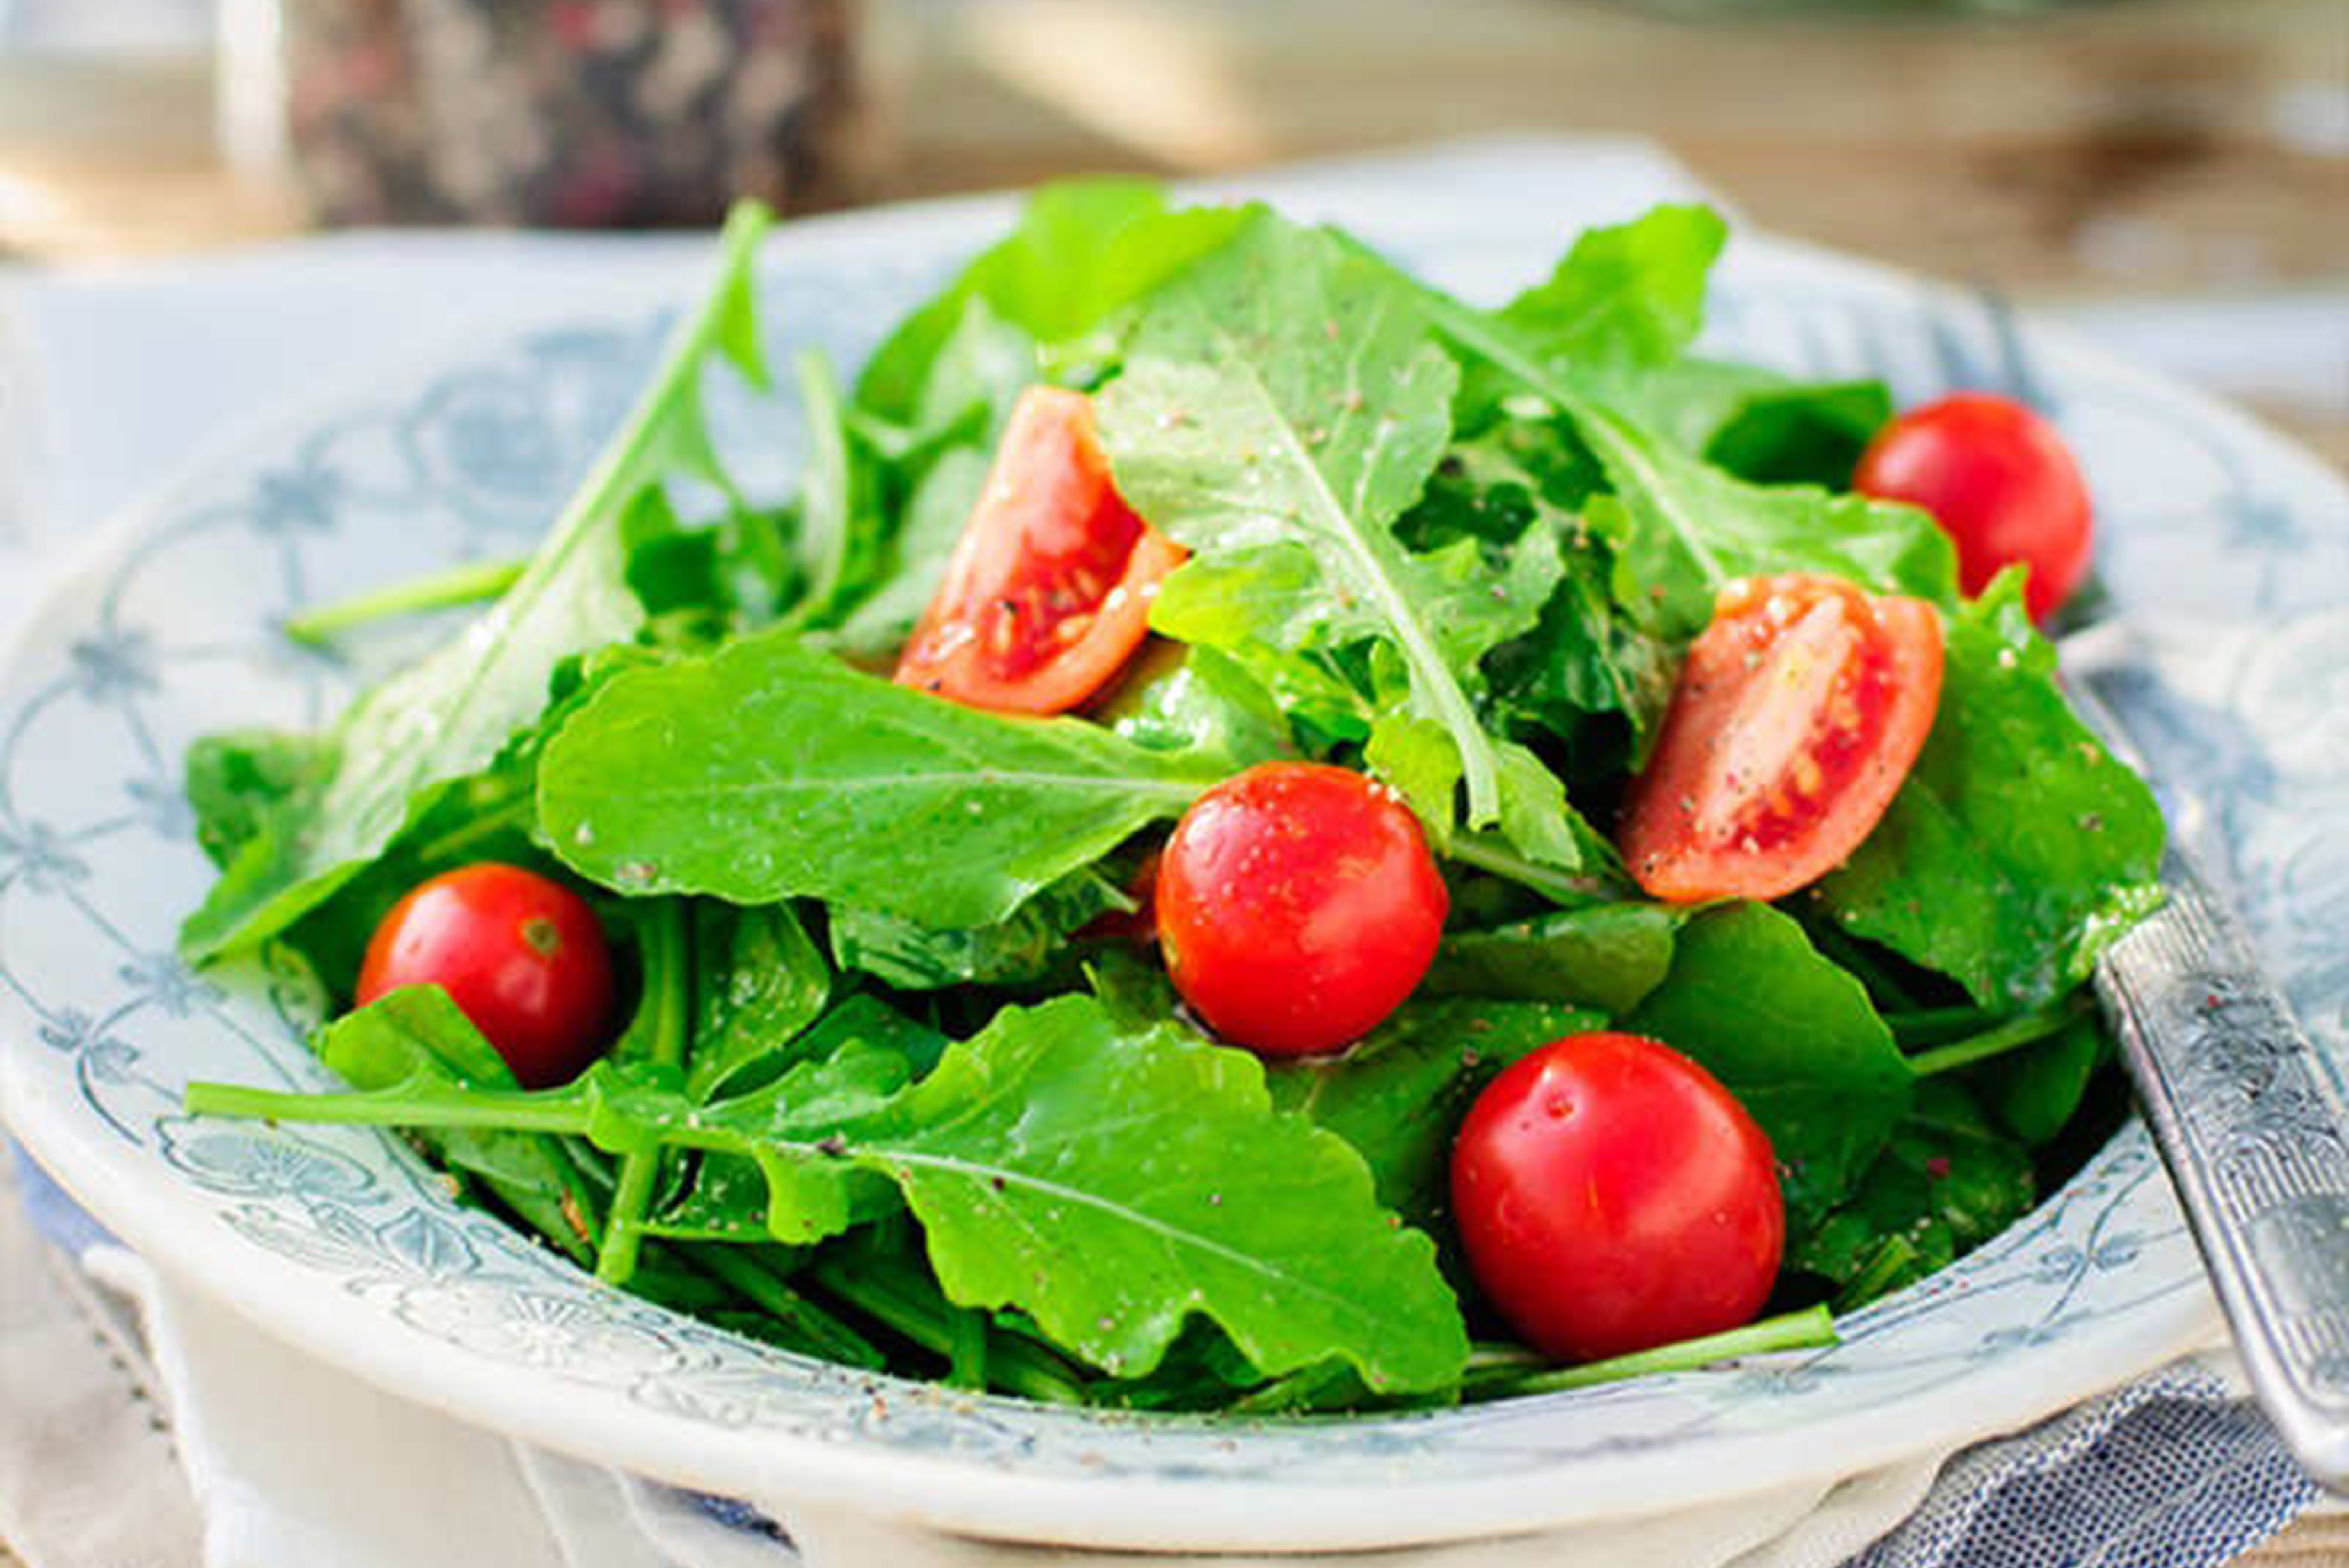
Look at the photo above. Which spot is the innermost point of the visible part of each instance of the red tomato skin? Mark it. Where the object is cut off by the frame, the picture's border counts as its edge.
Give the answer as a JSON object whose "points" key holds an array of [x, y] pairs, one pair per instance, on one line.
{"points": [[2000, 481], [523, 957], [1798, 713], [1048, 592], [1613, 1196], [1298, 905]]}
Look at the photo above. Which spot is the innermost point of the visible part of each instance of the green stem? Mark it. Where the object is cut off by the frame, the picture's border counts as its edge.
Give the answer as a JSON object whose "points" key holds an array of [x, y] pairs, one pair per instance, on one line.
{"points": [[469, 583], [1808, 1329], [503, 1111], [1892, 1255], [514, 811], [665, 1024], [910, 1306], [1490, 854], [743, 1268], [1917, 1027], [2012, 1035]]}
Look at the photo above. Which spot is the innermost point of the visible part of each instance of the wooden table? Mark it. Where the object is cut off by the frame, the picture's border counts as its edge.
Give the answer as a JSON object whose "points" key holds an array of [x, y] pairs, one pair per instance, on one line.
{"points": [[2161, 148]]}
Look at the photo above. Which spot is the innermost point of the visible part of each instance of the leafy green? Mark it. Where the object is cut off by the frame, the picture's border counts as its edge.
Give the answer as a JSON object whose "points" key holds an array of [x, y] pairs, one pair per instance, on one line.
{"points": [[1082, 251], [1022, 947], [2018, 847], [1609, 956], [1792, 1035], [1179, 697], [1682, 528], [910, 566], [451, 713], [1399, 1094], [771, 770], [759, 979], [1156, 1158], [1280, 407], [417, 1033], [1757, 424], [2037, 1091], [1159, 1160], [1628, 296], [1946, 1184], [238, 782]]}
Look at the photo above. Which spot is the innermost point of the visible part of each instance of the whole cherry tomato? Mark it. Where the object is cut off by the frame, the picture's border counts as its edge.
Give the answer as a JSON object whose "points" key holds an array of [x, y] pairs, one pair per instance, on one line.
{"points": [[2000, 481], [1298, 905], [1799, 711], [1613, 1196], [521, 956], [1047, 593]]}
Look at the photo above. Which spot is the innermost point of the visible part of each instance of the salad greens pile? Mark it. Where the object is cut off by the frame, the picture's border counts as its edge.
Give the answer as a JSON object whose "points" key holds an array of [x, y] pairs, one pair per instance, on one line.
{"points": [[888, 1095]]}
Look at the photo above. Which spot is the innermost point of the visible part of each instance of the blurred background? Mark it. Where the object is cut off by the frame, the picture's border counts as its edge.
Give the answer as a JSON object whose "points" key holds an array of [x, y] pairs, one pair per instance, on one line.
{"points": [[2174, 172]]}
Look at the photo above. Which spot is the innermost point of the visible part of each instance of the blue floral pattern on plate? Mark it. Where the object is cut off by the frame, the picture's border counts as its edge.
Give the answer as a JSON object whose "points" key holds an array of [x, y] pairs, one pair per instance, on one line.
{"points": [[2221, 545]]}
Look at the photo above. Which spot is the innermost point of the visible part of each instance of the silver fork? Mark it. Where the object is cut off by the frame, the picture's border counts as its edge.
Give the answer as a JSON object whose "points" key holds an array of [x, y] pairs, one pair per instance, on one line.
{"points": [[2249, 1120]]}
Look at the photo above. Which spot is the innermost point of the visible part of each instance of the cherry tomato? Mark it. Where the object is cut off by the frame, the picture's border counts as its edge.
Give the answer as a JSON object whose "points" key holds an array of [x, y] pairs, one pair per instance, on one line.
{"points": [[521, 956], [1613, 1196], [1798, 713], [1048, 592], [2000, 482], [1298, 905]]}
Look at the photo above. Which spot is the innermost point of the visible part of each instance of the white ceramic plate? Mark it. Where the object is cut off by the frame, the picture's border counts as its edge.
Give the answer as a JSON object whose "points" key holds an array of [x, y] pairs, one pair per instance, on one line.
{"points": [[337, 1239]]}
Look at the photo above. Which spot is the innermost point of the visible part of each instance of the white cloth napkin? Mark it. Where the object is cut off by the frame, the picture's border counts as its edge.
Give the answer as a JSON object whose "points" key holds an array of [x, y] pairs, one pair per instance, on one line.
{"points": [[110, 379]]}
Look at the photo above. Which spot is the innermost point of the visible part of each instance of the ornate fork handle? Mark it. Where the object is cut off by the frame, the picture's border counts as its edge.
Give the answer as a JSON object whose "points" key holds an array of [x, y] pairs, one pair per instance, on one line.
{"points": [[2249, 1120]]}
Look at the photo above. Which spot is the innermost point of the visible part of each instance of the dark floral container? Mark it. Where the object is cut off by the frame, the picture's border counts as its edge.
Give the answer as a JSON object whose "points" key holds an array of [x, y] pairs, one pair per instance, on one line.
{"points": [[575, 113]]}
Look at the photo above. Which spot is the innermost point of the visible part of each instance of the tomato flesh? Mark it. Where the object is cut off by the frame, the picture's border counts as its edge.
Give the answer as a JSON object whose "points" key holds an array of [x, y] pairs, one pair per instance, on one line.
{"points": [[1298, 905], [1048, 592], [521, 956], [1800, 711], [2000, 482], [1613, 1196]]}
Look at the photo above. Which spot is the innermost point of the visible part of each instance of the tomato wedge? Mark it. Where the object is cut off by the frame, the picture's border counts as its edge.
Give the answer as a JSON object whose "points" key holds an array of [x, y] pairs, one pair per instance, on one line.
{"points": [[1048, 592], [1800, 711]]}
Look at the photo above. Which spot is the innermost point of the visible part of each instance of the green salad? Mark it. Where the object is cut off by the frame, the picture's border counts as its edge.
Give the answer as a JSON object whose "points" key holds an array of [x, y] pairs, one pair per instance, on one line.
{"points": [[1250, 837]]}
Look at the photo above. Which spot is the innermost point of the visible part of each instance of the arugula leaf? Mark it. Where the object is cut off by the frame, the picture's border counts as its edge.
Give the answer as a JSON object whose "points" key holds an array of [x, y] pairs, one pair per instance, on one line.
{"points": [[1609, 956], [238, 783], [869, 1021], [1082, 251], [1945, 1183], [2038, 1090], [417, 1033], [909, 566], [1398, 1096], [914, 955], [1182, 697], [1109, 1183], [772, 771], [1632, 295], [759, 981], [1158, 1160], [1792, 1035], [1681, 528], [1280, 407], [2018, 849], [1759, 425], [449, 714]]}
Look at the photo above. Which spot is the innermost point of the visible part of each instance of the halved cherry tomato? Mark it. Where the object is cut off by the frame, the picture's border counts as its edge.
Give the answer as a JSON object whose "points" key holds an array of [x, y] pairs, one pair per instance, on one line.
{"points": [[521, 956], [1298, 905], [1613, 1196], [2000, 482], [1047, 593], [1800, 711]]}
